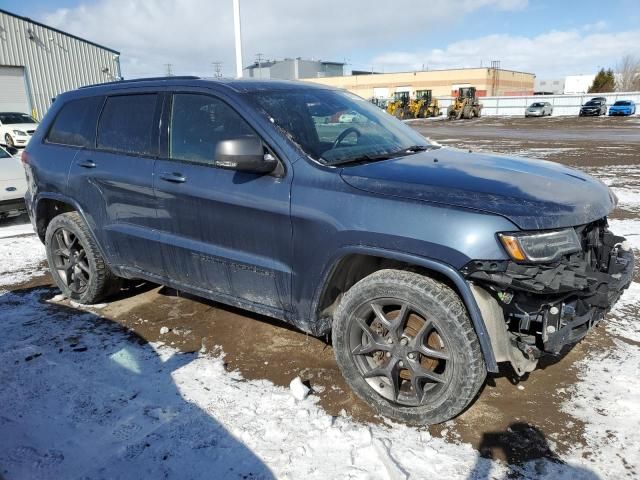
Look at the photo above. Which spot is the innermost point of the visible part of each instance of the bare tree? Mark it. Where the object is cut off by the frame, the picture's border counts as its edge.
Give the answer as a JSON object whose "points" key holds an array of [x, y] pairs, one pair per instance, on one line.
{"points": [[628, 78]]}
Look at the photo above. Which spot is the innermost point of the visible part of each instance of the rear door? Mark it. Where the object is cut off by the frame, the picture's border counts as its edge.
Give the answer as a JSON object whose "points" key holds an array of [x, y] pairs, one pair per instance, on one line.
{"points": [[221, 231], [113, 181]]}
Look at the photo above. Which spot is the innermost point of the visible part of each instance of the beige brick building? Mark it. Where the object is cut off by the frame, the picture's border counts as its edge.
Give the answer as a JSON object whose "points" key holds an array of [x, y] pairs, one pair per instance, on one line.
{"points": [[488, 82]]}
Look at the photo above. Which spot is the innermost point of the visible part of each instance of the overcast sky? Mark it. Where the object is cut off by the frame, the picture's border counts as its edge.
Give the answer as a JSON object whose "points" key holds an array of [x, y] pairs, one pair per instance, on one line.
{"points": [[546, 37]]}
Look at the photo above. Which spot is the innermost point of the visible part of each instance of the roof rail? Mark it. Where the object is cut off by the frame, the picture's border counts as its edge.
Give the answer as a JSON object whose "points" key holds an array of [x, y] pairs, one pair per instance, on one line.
{"points": [[146, 79]]}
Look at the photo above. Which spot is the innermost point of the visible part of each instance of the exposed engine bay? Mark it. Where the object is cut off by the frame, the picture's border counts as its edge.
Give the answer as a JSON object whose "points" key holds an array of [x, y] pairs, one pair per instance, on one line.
{"points": [[546, 307]]}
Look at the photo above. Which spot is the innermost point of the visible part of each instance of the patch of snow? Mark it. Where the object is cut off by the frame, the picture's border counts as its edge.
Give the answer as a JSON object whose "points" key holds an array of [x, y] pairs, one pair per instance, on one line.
{"points": [[607, 400], [623, 319], [628, 228], [15, 230], [298, 389], [628, 198], [21, 258]]}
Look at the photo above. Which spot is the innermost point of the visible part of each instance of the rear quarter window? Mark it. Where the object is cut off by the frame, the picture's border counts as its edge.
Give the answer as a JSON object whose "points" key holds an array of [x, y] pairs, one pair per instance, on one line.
{"points": [[128, 124], [75, 124]]}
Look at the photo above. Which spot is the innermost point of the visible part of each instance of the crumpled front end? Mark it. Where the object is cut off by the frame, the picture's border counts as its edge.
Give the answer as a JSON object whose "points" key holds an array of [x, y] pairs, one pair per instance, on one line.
{"points": [[546, 307]]}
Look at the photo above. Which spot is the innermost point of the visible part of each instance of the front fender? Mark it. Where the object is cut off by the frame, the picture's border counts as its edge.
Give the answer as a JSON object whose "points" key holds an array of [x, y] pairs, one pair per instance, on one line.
{"points": [[462, 286]]}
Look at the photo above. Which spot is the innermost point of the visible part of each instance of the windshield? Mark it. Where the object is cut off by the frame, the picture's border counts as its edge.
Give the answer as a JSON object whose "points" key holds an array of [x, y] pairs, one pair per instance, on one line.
{"points": [[621, 103], [336, 127], [592, 103], [10, 118], [537, 105]]}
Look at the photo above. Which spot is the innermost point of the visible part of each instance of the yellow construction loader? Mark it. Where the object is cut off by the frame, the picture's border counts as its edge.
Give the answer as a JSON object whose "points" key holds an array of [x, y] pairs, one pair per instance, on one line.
{"points": [[466, 105], [403, 106], [399, 106], [424, 105]]}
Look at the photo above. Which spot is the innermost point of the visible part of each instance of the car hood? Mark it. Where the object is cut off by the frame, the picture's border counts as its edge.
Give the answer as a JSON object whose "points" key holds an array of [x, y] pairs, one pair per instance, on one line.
{"points": [[533, 194], [11, 168]]}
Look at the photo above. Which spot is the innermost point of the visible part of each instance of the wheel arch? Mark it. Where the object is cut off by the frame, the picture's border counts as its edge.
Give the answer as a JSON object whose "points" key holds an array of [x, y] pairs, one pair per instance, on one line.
{"points": [[352, 263], [49, 206]]}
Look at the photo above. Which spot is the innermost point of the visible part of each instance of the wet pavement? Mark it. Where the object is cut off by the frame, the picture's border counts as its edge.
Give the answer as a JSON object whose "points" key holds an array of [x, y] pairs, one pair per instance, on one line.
{"points": [[262, 348]]}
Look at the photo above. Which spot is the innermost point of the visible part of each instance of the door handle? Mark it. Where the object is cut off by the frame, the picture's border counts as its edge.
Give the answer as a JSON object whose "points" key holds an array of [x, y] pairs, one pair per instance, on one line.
{"points": [[87, 164], [173, 177]]}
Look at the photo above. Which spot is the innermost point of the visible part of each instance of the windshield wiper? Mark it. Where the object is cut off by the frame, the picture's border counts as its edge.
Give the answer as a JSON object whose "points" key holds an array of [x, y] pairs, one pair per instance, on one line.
{"points": [[361, 158]]}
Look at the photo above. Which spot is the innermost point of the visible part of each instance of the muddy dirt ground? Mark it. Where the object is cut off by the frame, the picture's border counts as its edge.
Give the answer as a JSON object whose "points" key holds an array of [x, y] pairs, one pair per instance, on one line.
{"points": [[509, 413]]}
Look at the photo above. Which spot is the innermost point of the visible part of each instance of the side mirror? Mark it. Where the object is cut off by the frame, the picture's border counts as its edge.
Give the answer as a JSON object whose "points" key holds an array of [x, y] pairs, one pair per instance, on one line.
{"points": [[245, 154]]}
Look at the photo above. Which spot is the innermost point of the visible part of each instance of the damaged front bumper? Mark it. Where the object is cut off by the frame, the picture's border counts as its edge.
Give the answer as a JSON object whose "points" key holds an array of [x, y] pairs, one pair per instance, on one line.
{"points": [[545, 307]]}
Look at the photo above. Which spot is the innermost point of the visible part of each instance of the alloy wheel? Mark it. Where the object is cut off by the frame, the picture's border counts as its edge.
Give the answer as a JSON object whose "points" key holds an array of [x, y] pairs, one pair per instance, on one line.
{"points": [[400, 352], [70, 260]]}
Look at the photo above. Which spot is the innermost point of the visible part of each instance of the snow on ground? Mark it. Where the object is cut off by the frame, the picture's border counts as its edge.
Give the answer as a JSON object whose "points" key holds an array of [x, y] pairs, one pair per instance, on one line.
{"points": [[623, 320], [607, 400], [20, 258], [628, 228], [83, 398]]}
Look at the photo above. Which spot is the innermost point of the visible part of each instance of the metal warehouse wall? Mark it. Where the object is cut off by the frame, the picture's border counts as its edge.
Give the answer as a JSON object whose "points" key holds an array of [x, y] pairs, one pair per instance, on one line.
{"points": [[54, 61], [562, 104]]}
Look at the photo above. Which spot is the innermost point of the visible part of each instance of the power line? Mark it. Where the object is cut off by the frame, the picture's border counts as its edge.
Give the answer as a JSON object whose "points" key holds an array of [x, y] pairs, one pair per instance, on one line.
{"points": [[259, 57], [217, 69]]}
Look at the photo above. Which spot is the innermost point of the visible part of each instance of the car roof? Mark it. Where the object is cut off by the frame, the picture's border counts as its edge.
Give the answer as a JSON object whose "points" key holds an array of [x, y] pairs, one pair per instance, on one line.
{"points": [[235, 85]]}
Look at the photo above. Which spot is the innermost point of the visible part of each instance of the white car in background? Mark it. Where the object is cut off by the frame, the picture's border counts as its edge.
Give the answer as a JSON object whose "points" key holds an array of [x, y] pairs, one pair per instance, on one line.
{"points": [[16, 128], [13, 185]]}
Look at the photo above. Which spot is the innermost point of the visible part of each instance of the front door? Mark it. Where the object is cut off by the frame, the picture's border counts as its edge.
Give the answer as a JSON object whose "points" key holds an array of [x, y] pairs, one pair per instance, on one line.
{"points": [[222, 231]]}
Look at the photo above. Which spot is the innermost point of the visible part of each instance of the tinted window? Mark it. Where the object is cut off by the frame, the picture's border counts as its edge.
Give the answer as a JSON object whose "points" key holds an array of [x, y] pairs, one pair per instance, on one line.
{"points": [[4, 153], [75, 124], [13, 118], [127, 124], [199, 123], [621, 103]]}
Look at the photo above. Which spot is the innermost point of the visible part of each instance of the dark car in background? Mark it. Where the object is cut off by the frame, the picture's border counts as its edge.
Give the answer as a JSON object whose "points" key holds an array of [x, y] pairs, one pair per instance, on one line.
{"points": [[595, 107], [427, 265], [623, 107]]}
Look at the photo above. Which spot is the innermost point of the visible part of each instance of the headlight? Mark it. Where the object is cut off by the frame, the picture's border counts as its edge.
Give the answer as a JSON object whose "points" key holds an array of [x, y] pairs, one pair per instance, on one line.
{"points": [[19, 133], [540, 247]]}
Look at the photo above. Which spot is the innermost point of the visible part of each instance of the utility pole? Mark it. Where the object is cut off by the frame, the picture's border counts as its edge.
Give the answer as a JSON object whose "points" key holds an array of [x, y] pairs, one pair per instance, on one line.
{"points": [[259, 57], [238, 37], [169, 72], [217, 69]]}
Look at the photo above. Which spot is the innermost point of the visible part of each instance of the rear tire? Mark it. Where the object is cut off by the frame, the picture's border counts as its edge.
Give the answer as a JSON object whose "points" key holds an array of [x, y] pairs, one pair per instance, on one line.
{"points": [[406, 346], [76, 265]]}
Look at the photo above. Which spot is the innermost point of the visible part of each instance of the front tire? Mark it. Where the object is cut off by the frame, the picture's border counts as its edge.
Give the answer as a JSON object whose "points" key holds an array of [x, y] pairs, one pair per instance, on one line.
{"points": [[406, 346], [76, 265], [9, 141]]}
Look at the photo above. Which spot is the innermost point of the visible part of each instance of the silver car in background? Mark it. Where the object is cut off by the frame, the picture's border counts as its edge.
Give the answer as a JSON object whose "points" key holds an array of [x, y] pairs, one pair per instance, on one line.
{"points": [[539, 109]]}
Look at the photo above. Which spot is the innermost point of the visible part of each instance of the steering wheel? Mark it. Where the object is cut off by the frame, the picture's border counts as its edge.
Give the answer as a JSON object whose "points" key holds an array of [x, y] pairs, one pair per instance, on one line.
{"points": [[344, 134]]}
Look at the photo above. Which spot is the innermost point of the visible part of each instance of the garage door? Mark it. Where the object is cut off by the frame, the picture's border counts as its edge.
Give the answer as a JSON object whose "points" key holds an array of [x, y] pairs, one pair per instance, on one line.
{"points": [[13, 91]]}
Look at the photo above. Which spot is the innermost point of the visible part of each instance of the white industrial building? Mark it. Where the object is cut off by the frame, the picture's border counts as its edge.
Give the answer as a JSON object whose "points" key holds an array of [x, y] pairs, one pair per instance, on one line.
{"points": [[38, 62], [293, 69]]}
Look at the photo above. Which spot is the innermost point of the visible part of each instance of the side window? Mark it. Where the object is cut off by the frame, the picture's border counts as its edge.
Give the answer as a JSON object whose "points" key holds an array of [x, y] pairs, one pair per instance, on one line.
{"points": [[199, 123], [75, 124], [128, 124]]}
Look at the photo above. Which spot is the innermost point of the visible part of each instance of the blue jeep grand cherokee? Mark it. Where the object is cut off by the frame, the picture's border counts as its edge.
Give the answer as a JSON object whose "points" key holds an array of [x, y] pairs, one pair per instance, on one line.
{"points": [[428, 265]]}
